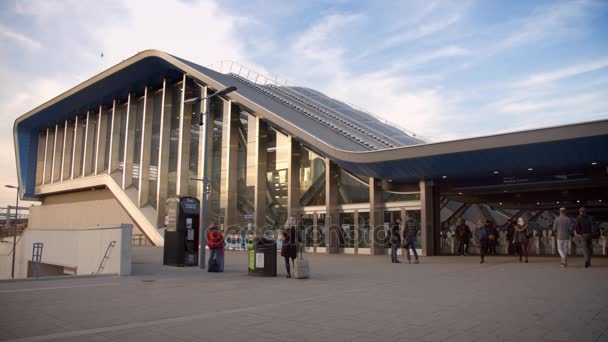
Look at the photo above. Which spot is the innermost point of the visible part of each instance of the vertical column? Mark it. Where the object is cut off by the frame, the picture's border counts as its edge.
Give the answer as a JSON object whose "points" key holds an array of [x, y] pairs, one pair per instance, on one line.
{"points": [[201, 138], [66, 154], [57, 149], [261, 156], [293, 179], [88, 144], [430, 224], [163, 155], [40, 158], [331, 206], [77, 148], [230, 150], [376, 216], [127, 175], [146, 141], [114, 140], [102, 126], [183, 144]]}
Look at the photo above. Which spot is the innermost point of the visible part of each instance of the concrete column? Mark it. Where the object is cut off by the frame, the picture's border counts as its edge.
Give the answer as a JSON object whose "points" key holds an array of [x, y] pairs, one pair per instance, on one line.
{"points": [[430, 224], [57, 151], [183, 143], [40, 158], [332, 173], [146, 141], [77, 148], [261, 155], [114, 139], [376, 217], [127, 174], [102, 126], [163, 155], [293, 179], [87, 165], [66, 154], [230, 150]]}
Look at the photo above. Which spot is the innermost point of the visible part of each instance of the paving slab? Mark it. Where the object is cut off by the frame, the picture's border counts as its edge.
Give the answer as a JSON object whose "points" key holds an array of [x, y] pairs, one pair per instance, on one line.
{"points": [[347, 298]]}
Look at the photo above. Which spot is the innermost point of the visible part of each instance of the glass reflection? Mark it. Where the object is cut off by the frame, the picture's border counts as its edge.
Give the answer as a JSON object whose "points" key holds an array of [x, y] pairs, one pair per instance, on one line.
{"points": [[312, 179]]}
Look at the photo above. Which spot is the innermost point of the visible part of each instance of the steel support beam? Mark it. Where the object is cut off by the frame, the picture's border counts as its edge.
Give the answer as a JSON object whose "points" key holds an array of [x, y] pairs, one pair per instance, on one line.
{"points": [[146, 141]]}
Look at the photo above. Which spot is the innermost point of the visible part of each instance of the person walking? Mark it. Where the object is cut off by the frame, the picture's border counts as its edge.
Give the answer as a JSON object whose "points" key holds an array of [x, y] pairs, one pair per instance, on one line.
{"points": [[521, 239], [584, 227], [215, 242], [492, 237], [410, 234], [483, 234], [510, 236], [562, 228], [463, 235], [395, 240], [289, 249]]}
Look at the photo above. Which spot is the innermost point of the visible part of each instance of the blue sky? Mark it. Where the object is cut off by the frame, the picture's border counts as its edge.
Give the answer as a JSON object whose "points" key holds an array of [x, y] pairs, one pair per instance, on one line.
{"points": [[444, 69]]}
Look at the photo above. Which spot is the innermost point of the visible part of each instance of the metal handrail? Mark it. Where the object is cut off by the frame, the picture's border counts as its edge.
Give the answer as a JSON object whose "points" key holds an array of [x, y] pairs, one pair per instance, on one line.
{"points": [[228, 67]]}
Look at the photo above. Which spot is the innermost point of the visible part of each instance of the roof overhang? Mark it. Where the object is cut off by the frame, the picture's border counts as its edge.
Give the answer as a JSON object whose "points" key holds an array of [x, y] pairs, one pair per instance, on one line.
{"points": [[548, 149]]}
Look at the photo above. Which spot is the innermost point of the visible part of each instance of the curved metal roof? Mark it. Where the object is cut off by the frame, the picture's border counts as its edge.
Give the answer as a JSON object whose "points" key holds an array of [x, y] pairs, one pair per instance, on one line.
{"points": [[351, 138]]}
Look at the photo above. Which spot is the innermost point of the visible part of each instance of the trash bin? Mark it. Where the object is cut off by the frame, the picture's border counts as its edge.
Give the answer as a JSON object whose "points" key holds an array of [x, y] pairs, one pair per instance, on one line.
{"points": [[263, 257]]}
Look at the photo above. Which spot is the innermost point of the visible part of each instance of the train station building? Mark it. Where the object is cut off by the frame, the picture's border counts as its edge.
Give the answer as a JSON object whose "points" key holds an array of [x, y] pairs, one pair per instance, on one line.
{"points": [[113, 149]]}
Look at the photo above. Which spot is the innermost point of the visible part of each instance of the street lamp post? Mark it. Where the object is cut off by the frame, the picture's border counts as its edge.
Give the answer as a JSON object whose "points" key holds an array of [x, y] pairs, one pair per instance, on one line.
{"points": [[14, 229], [204, 119]]}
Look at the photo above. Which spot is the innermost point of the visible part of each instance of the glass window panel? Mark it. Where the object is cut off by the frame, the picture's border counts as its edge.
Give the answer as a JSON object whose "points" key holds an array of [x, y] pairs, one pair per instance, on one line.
{"points": [[352, 189], [312, 179], [216, 116], [139, 119], [40, 156], [174, 139], [154, 147], [121, 141], [59, 149], [278, 154], [347, 230], [399, 197], [365, 233], [108, 133], [93, 122], [195, 111], [245, 193], [67, 167], [308, 226]]}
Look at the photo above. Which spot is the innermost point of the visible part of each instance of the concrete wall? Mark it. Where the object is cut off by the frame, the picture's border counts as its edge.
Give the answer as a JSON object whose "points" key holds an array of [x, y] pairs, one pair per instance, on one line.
{"points": [[82, 209], [82, 248]]}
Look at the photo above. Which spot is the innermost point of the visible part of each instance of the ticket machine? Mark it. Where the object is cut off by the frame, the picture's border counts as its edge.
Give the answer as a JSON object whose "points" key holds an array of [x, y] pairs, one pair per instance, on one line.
{"points": [[182, 231]]}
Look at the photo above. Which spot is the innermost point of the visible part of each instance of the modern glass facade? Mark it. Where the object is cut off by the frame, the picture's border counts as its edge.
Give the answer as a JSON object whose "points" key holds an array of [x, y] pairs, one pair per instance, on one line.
{"points": [[258, 174]]}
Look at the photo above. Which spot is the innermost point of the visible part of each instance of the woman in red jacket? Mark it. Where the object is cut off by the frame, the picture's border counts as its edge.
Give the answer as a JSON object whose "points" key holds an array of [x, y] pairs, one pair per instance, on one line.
{"points": [[215, 242]]}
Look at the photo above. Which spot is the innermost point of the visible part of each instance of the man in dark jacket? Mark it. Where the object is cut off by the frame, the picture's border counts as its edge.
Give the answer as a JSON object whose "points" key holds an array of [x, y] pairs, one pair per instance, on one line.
{"points": [[584, 227], [411, 237], [463, 235], [492, 238], [395, 240]]}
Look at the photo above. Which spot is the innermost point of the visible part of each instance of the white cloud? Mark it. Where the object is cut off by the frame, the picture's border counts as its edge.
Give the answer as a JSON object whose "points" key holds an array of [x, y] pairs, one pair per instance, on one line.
{"points": [[19, 38], [566, 72]]}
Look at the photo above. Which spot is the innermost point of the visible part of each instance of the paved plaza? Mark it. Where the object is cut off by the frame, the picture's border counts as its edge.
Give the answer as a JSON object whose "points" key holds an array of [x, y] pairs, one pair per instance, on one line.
{"points": [[348, 298]]}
